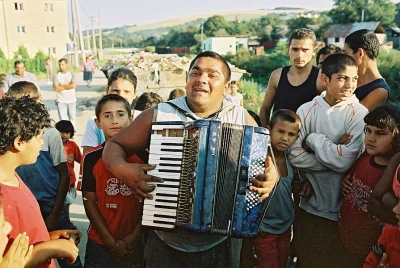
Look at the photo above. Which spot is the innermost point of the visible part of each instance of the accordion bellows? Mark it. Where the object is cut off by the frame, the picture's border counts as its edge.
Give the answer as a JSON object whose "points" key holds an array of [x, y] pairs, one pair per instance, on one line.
{"points": [[206, 166]]}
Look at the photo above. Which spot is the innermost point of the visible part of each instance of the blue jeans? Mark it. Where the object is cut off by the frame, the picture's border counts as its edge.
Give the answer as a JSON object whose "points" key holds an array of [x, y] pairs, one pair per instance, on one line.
{"points": [[67, 111], [64, 223], [157, 254], [98, 256]]}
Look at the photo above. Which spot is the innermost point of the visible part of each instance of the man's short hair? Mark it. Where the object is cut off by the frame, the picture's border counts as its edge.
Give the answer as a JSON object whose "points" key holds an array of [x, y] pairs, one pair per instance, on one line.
{"points": [[329, 49], [301, 34], [211, 54], [108, 98], [284, 115], [18, 62], [147, 100], [23, 88], [65, 126], [366, 40], [63, 60], [335, 63], [22, 118]]}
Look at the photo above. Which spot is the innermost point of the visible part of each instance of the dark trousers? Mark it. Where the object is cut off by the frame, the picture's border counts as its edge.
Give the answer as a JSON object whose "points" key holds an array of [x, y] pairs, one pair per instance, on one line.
{"points": [[319, 242], [158, 254], [64, 223]]}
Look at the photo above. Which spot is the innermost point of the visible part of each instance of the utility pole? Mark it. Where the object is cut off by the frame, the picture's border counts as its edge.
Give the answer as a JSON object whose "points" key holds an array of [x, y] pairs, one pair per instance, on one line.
{"points": [[100, 52], [202, 32], [92, 19], [88, 38], [6, 31], [362, 15], [76, 58], [82, 44]]}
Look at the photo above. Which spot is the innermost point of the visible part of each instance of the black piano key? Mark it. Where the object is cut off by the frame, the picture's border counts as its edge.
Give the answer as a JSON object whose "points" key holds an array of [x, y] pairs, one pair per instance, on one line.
{"points": [[169, 171], [165, 216], [165, 194], [169, 165], [163, 222], [171, 144], [171, 150], [163, 206], [167, 201]]}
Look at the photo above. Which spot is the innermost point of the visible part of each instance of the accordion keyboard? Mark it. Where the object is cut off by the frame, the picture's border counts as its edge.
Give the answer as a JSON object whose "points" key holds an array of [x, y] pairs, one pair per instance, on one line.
{"points": [[166, 151]]}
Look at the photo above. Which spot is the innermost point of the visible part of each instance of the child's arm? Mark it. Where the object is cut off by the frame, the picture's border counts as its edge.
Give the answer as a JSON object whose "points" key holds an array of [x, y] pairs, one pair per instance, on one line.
{"points": [[77, 154], [338, 157], [60, 248], [382, 192], [96, 220]]}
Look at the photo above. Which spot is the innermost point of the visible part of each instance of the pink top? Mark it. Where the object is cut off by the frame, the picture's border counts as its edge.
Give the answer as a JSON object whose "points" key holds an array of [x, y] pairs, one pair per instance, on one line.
{"points": [[396, 183]]}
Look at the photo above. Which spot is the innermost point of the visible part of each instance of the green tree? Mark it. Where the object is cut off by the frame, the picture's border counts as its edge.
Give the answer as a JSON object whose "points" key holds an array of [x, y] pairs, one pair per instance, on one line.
{"points": [[348, 11], [21, 52], [2, 56], [297, 23], [213, 24]]}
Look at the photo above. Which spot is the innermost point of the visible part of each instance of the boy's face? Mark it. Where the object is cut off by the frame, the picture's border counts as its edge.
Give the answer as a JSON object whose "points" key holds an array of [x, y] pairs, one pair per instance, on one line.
{"points": [[124, 88], [301, 52], [113, 118], [5, 229], [65, 136], [378, 141], [30, 149], [283, 135], [340, 87], [349, 52]]}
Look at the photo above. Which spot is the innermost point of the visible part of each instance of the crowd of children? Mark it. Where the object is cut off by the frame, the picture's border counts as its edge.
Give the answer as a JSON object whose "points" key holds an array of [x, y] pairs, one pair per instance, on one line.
{"points": [[339, 140]]}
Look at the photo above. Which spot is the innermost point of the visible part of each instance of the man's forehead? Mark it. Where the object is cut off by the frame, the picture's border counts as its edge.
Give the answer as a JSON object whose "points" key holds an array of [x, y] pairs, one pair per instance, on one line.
{"points": [[207, 63]]}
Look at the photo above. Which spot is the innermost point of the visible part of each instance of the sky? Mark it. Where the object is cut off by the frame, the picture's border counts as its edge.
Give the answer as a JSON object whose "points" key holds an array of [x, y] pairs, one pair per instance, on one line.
{"points": [[115, 13]]}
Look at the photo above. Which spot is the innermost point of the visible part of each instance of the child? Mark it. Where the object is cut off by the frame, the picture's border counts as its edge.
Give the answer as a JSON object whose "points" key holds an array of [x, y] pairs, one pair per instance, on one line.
{"points": [[21, 131], [387, 252], [272, 243], [121, 82], [2, 85], [72, 153], [323, 161], [147, 100], [358, 229], [292, 86], [114, 236], [235, 97]]}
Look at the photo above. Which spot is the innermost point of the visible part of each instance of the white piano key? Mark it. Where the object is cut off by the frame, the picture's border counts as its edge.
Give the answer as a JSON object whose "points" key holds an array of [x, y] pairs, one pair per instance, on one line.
{"points": [[166, 175], [152, 218], [166, 162], [151, 207], [162, 184], [161, 127], [159, 147], [150, 223], [171, 198], [166, 167], [165, 153], [155, 138], [170, 205], [159, 212], [172, 191]]}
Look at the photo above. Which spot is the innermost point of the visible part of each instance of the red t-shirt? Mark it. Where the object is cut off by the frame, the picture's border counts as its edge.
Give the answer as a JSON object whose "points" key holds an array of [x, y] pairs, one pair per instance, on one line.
{"points": [[72, 153], [22, 211], [358, 229], [390, 240], [115, 201]]}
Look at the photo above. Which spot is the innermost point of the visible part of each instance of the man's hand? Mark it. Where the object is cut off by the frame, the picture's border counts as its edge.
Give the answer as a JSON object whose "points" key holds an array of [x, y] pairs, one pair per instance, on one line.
{"points": [[137, 173], [346, 185], [18, 254], [65, 249], [345, 139], [307, 190], [123, 249], [66, 234], [264, 183], [52, 222]]}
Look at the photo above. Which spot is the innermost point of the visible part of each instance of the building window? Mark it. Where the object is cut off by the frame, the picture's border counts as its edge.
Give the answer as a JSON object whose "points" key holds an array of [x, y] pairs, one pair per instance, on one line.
{"points": [[337, 39], [48, 7], [50, 29], [21, 29], [52, 50], [18, 6]]}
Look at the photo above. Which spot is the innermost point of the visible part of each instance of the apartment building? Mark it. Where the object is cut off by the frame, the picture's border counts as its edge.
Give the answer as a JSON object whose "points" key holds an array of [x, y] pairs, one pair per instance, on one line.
{"points": [[35, 24]]}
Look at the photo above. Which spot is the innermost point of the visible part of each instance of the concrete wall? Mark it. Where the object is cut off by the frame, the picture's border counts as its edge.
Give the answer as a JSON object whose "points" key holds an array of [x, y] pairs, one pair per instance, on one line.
{"points": [[36, 20], [221, 45]]}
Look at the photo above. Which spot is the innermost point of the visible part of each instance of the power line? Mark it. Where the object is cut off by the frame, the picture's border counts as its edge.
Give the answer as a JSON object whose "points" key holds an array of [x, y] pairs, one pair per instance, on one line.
{"points": [[83, 8]]}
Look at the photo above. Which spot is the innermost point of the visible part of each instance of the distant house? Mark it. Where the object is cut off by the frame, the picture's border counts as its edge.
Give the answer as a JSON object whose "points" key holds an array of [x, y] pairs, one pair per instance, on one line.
{"points": [[221, 45], [337, 33], [393, 35]]}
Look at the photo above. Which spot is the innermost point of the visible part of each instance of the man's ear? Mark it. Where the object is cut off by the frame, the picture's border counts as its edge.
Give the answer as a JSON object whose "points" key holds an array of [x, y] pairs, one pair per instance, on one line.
{"points": [[324, 79], [361, 52], [268, 127], [227, 87], [97, 123], [131, 117]]}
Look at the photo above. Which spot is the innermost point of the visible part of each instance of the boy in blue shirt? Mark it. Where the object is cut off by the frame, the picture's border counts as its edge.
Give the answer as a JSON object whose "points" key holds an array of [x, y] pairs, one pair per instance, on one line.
{"points": [[273, 241]]}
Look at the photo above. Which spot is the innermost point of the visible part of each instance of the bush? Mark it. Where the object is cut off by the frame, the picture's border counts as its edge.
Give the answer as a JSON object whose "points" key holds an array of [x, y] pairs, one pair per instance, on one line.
{"points": [[389, 67], [252, 94], [2, 56]]}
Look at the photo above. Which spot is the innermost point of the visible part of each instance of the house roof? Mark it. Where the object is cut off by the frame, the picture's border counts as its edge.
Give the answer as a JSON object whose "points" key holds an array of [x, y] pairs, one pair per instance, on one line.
{"points": [[343, 30], [395, 29]]}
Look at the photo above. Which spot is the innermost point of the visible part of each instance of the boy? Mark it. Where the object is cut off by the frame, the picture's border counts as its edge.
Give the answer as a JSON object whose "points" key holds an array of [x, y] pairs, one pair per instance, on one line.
{"points": [[114, 213], [388, 247], [72, 153], [324, 52], [48, 177], [363, 46], [273, 241], [358, 229], [323, 161], [21, 131], [291, 86], [235, 97]]}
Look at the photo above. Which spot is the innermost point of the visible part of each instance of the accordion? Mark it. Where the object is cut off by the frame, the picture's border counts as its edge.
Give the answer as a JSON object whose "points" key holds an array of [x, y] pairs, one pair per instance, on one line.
{"points": [[206, 166]]}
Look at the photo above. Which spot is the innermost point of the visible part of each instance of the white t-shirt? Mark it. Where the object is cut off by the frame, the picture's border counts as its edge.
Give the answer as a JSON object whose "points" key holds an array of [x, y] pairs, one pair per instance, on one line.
{"points": [[235, 99], [93, 136], [68, 95]]}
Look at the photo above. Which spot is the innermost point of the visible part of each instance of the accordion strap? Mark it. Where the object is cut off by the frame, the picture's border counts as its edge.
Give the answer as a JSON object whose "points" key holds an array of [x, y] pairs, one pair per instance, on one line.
{"points": [[213, 116]]}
